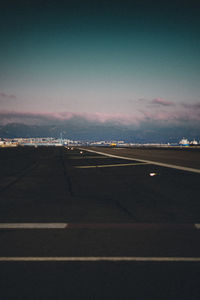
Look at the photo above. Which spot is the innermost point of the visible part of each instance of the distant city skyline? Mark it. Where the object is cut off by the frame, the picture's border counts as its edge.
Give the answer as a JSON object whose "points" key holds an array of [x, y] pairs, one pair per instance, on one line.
{"points": [[128, 65]]}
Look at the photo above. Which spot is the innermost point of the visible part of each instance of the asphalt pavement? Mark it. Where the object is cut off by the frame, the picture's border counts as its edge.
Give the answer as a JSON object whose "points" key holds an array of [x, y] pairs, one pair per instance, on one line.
{"points": [[76, 224]]}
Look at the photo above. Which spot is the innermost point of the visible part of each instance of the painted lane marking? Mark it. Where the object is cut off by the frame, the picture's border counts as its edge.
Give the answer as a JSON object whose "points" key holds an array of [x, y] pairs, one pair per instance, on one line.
{"points": [[87, 157], [148, 161], [33, 225], [137, 226], [103, 258], [109, 166]]}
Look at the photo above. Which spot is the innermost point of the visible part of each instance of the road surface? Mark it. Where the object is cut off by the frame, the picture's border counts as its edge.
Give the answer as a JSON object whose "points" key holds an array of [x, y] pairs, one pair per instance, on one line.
{"points": [[79, 225]]}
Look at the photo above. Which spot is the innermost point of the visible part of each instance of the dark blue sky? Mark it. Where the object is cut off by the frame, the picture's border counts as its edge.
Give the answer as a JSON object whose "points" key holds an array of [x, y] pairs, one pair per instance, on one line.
{"points": [[127, 62]]}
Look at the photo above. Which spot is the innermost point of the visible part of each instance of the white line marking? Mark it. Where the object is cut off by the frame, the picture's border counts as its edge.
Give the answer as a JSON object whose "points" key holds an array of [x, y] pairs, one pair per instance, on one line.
{"points": [[86, 157], [148, 161], [197, 226], [106, 258], [33, 225], [108, 166], [95, 225]]}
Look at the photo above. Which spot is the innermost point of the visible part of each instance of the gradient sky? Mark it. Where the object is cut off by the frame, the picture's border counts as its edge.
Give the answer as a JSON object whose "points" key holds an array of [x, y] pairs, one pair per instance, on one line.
{"points": [[130, 61]]}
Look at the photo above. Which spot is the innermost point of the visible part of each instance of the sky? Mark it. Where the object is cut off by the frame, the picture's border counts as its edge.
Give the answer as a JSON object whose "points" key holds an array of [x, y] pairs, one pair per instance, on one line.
{"points": [[134, 64]]}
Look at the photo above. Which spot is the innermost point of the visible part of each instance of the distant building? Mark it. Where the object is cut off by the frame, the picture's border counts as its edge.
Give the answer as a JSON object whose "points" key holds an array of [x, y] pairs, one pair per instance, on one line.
{"points": [[184, 142], [193, 143]]}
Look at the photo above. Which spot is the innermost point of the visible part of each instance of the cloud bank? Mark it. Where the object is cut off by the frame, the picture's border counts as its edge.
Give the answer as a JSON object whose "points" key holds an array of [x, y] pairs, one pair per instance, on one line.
{"points": [[156, 120], [164, 112], [30, 118]]}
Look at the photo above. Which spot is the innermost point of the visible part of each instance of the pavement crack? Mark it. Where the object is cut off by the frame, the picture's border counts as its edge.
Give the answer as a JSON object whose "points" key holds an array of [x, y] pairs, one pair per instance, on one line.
{"points": [[125, 210]]}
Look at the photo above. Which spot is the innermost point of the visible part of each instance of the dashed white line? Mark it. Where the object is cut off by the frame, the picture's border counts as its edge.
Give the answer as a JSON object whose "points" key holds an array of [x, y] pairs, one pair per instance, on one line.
{"points": [[95, 259], [33, 225], [147, 161]]}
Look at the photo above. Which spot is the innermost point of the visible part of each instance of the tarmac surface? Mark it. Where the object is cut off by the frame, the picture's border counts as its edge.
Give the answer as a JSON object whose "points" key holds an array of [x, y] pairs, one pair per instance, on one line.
{"points": [[75, 224]]}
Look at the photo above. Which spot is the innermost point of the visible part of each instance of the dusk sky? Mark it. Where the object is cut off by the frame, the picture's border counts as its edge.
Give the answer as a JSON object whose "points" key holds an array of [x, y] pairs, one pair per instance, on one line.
{"points": [[128, 63]]}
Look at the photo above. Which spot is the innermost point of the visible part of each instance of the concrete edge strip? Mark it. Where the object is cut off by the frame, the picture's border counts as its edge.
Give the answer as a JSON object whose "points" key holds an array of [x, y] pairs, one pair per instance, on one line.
{"points": [[96, 258], [147, 161], [109, 166], [33, 225]]}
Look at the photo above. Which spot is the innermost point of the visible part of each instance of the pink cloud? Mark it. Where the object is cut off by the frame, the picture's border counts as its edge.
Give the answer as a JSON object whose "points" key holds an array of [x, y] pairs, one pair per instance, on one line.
{"points": [[7, 96], [46, 118], [191, 106], [173, 117], [94, 117], [179, 115], [163, 102]]}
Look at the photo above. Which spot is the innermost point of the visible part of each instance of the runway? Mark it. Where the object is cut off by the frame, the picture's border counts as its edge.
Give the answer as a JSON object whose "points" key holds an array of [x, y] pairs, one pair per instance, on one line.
{"points": [[180, 158], [77, 224]]}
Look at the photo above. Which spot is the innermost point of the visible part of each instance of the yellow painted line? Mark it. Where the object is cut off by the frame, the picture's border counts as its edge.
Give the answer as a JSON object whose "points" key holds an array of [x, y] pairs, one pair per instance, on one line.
{"points": [[109, 166], [182, 168], [103, 258], [33, 225]]}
